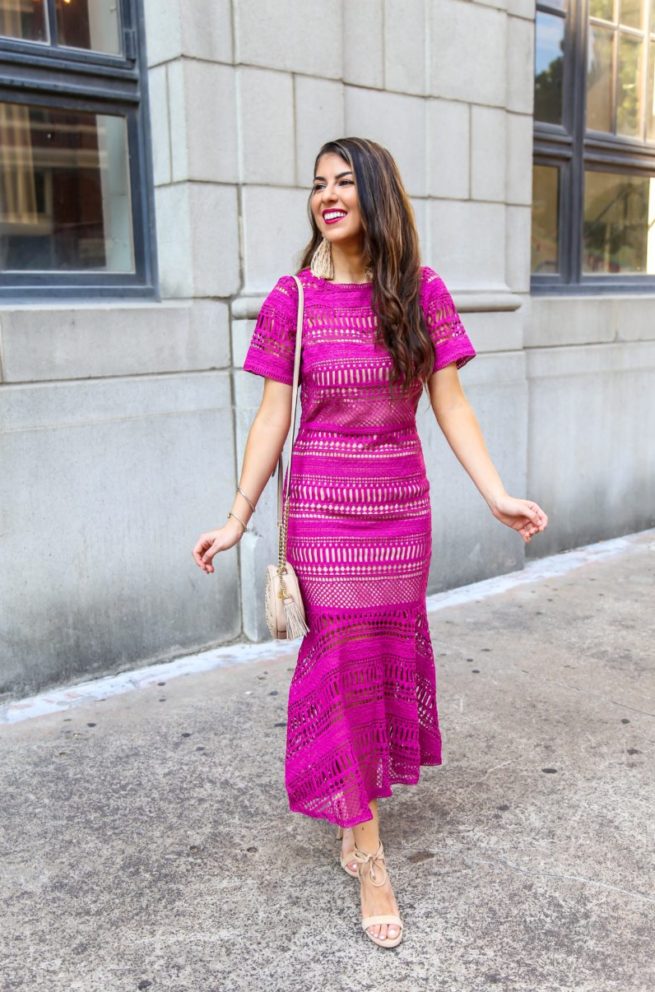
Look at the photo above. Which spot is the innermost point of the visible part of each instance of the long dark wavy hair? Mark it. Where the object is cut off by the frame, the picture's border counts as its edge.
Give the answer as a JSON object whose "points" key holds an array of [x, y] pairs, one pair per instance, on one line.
{"points": [[391, 249]]}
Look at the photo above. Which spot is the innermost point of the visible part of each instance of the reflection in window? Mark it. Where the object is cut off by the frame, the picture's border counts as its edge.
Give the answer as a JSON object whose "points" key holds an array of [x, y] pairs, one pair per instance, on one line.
{"points": [[618, 71], [631, 13], [64, 191], [650, 95], [599, 79], [628, 101], [549, 62], [619, 215], [545, 208], [603, 9], [93, 25], [90, 24], [24, 19]]}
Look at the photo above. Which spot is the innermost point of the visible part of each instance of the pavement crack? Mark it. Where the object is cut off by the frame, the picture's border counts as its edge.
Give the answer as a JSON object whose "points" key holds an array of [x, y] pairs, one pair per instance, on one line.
{"points": [[532, 872]]}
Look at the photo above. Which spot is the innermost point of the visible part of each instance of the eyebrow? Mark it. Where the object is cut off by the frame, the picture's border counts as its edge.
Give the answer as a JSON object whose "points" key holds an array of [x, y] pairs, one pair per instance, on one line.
{"points": [[348, 172]]}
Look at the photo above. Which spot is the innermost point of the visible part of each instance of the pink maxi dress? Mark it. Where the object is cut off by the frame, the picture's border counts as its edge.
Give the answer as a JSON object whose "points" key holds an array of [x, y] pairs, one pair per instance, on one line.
{"points": [[362, 706]]}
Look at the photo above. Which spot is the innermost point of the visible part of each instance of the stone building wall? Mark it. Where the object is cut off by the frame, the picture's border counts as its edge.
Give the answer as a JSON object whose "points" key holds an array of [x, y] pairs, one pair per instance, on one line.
{"points": [[124, 423]]}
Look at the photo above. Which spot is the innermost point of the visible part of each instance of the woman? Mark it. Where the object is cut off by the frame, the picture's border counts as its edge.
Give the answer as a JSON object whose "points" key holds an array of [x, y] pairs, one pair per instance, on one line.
{"points": [[378, 327]]}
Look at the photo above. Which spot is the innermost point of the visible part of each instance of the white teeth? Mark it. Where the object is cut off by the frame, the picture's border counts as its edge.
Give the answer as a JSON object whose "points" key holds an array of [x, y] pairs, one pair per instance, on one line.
{"points": [[337, 213]]}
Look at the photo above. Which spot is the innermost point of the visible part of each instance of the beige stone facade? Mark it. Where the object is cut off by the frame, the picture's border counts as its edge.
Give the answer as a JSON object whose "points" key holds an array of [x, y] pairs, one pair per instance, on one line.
{"points": [[124, 422]]}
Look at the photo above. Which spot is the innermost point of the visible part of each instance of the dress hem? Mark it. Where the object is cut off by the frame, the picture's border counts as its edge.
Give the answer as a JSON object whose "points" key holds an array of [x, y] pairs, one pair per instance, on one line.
{"points": [[346, 824]]}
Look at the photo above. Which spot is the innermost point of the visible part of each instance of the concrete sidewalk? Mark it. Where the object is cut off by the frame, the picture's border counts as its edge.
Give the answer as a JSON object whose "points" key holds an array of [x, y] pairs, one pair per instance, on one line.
{"points": [[147, 844]]}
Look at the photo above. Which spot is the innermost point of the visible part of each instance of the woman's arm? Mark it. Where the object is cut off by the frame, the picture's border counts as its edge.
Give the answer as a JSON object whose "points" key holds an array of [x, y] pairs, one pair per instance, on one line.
{"points": [[265, 441], [460, 426]]}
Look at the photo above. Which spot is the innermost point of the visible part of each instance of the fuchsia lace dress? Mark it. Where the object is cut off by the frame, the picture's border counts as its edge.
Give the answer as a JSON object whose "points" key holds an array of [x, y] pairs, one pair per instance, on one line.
{"points": [[362, 708]]}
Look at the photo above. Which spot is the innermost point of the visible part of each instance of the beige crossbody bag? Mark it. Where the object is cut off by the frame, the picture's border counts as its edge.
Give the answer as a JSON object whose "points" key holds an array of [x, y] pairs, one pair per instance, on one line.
{"points": [[285, 611]]}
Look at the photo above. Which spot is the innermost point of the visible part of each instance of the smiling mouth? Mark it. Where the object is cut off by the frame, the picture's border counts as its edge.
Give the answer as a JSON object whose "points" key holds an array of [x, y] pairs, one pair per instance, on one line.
{"points": [[333, 216]]}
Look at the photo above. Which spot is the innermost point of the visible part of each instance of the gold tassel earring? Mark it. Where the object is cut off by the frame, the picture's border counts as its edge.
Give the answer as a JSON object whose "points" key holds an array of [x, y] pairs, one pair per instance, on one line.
{"points": [[322, 265]]}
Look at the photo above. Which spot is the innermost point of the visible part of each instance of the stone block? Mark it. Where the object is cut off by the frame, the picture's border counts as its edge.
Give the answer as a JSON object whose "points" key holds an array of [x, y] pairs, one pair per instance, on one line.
{"points": [[266, 127], [363, 43], [633, 317], [601, 481], [578, 320], [404, 46], [319, 118], [420, 208], [448, 144], [468, 52], [517, 248], [520, 65], [488, 153], [76, 341], [203, 121], [198, 235], [395, 121], [290, 36], [495, 331], [200, 30], [521, 8], [174, 241], [241, 334], [206, 29], [159, 125], [519, 159], [275, 230], [467, 242], [569, 320], [124, 475]]}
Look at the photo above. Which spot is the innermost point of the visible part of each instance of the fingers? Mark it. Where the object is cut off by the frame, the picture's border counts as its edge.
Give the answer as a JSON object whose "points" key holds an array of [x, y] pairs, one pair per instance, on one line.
{"points": [[199, 549], [536, 514], [208, 556], [204, 552]]}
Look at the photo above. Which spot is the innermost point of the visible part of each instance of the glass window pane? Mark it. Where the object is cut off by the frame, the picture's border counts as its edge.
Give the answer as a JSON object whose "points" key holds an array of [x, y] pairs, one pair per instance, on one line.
{"points": [[549, 64], [602, 8], [619, 220], [24, 19], [599, 79], [628, 99], [91, 24], [545, 202], [64, 191], [631, 13]]}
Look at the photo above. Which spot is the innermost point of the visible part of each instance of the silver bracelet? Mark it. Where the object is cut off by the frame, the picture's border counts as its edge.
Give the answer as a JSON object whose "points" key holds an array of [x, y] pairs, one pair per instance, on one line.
{"points": [[247, 499], [230, 514]]}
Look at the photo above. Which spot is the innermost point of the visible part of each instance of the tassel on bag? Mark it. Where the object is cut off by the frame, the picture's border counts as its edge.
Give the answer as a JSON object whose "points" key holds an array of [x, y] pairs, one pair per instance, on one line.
{"points": [[296, 626], [285, 611]]}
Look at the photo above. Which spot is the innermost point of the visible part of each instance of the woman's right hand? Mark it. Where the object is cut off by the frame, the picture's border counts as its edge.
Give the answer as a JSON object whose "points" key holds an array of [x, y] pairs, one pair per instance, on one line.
{"points": [[213, 541]]}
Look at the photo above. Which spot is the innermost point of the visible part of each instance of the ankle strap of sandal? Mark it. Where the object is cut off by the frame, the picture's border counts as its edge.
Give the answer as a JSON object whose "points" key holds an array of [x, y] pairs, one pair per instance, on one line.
{"points": [[377, 871]]}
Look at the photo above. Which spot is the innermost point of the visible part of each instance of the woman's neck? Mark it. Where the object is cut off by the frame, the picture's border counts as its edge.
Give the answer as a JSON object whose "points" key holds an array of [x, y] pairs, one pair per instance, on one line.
{"points": [[349, 266]]}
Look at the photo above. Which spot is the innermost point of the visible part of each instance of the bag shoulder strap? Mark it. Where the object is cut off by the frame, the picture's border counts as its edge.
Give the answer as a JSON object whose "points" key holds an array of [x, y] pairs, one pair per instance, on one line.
{"points": [[282, 502]]}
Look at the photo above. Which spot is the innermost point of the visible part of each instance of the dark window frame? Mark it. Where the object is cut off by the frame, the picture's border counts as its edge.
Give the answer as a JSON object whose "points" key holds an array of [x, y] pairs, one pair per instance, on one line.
{"points": [[38, 73], [574, 151]]}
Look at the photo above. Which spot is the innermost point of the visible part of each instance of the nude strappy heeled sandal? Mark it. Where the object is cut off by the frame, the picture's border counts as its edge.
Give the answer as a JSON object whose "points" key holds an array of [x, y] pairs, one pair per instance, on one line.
{"points": [[344, 861], [378, 868]]}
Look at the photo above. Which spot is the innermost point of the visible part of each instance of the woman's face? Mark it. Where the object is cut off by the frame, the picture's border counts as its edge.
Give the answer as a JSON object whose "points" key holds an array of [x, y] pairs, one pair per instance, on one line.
{"points": [[334, 200]]}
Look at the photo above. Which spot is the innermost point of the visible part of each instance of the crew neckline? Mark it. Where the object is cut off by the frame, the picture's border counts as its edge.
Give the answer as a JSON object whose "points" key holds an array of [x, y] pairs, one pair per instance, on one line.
{"points": [[343, 285]]}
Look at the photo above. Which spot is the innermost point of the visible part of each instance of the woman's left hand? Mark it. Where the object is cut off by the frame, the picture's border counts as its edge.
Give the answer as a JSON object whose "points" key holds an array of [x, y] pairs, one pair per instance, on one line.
{"points": [[523, 515]]}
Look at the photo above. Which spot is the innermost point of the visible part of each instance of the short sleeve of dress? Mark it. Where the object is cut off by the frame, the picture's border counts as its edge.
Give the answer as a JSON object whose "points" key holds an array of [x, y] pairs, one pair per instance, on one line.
{"points": [[273, 341], [449, 337]]}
